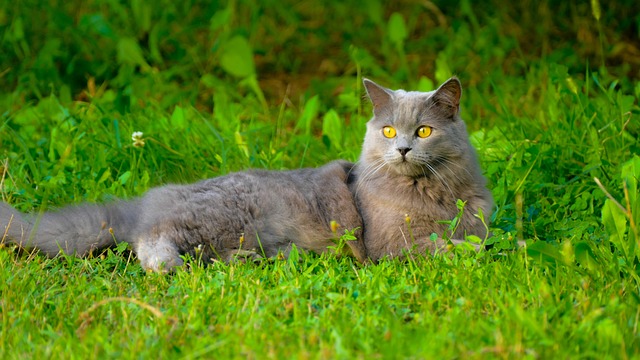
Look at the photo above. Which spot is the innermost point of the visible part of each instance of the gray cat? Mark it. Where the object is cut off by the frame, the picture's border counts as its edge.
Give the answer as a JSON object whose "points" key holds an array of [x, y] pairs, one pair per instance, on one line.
{"points": [[249, 214], [415, 163]]}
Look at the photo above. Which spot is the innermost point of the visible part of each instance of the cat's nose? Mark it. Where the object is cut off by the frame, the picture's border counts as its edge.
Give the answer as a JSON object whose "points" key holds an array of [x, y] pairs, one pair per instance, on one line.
{"points": [[404, 150]]}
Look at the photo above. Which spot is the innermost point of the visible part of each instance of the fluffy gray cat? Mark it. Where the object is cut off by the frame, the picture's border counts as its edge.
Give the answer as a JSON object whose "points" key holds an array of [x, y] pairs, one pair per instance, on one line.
{"points": [[415, 163], [248, 214]]}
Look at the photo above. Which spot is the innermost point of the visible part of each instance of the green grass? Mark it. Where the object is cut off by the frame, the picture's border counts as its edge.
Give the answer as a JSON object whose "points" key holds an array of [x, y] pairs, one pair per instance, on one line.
{"points": [[550, 98]]}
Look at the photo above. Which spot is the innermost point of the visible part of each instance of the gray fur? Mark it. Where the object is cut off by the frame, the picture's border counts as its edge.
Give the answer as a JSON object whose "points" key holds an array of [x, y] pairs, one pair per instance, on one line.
{"points": [[269, 210], [425, 183]]}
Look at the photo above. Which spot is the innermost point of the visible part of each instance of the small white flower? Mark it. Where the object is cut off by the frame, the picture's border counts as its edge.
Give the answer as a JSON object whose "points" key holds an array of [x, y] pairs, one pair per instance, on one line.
{"points": [[138, 140]]}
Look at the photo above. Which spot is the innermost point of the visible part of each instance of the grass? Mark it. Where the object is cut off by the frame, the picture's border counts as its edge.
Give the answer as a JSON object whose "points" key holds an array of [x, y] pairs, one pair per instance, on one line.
{"points": [[551, 102]]}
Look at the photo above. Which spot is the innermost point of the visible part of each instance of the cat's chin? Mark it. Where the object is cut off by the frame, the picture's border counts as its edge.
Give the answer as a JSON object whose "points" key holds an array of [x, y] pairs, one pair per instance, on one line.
{"points": [[408, 169]]}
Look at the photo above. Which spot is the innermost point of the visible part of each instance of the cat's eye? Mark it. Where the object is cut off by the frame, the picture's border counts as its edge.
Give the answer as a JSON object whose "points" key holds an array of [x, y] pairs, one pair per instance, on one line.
{"points": [[423, 131], [389, 132]]}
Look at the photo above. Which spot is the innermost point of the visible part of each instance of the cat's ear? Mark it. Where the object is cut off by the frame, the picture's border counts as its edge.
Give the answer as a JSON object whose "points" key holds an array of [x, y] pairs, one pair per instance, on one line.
{"points": [[448, 96], [380, 97]]}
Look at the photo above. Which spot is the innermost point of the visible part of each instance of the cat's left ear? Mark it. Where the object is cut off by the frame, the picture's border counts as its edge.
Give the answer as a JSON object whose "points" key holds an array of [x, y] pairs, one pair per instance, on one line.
{"points": [[380, 97], [448, 96]]}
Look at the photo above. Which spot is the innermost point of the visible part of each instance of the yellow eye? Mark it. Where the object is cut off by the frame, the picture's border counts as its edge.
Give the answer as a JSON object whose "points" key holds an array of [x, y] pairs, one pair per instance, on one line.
{"points": [[389, 132], [424, 131]]}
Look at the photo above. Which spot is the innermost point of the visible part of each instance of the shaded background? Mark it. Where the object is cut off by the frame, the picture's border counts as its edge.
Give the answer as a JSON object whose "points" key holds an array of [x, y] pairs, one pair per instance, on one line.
{"points": [[177, 52]]}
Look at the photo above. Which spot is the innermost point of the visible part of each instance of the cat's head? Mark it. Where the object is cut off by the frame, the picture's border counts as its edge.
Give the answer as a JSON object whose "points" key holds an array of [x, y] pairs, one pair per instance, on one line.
{"points": [[415, 133]]}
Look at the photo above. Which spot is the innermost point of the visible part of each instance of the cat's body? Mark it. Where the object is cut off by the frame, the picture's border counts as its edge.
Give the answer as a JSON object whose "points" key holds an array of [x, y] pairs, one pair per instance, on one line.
{"points": [[416, 162], [253, 213]]}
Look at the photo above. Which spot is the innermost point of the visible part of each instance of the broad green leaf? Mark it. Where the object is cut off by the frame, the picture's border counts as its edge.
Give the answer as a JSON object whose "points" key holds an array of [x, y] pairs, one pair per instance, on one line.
{"points": [[226, 117], [209, 81], [141, 14], [595, 9], [124, 177], [630, 175], [237, 57], [220, 19], [443, 72], [96, 23], [241, 144], [625, 103], [545, 252], [129, 53], [473, 239], [615, 222], [571, 85], [121, 247], [105, 175], [397, 29], [348, 235], [155, 39], [375, 12], [309, 113], [585, 255], [332, 128], [425, 84], [177, 118], [18, 30]]}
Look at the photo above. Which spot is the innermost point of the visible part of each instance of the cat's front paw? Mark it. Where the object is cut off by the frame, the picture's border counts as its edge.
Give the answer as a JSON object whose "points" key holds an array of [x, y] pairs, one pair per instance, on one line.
{"points": [[161, 264], [158, 256]]}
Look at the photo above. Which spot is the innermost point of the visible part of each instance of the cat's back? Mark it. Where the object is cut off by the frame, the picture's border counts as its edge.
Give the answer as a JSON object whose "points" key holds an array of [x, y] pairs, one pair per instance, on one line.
{"points": [[300, 195], [307, 182]]}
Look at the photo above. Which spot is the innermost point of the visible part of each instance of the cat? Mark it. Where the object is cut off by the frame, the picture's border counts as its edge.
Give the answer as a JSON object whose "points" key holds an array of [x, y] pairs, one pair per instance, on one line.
{"points": [[249, 214], [416, 161]]}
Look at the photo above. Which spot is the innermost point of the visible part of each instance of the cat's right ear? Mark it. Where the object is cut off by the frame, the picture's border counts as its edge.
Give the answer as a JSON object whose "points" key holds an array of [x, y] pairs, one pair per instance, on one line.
{"points": [[380, 97]]}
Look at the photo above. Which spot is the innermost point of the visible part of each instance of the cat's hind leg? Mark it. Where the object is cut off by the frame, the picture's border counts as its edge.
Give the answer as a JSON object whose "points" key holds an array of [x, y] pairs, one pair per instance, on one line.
{"points": [[159, 254]]}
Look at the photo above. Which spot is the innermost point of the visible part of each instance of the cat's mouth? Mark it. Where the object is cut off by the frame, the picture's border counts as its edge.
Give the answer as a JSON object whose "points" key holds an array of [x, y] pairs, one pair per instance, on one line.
{"points": [[407, 167]]}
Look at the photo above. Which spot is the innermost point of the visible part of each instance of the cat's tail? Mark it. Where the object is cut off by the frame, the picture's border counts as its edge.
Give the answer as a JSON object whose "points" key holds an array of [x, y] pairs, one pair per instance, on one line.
{"points": [[75, 230]]}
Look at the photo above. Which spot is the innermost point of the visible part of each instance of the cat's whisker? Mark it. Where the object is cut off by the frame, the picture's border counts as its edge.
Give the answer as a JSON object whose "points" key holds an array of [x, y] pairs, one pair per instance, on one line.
{"points": [[424, 160], [371, 168], [452, 172], [442, 180], [375, 168], [378, 169], [442, 160], [368, 173]]}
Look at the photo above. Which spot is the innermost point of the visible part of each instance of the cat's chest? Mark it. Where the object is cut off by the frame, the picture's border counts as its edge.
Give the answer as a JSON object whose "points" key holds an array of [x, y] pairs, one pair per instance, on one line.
{"points": [[415, 204]]}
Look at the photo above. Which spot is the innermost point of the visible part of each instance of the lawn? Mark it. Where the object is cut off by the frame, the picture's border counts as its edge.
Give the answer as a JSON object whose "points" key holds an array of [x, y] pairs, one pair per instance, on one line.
{"points": [[550, 97]]}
